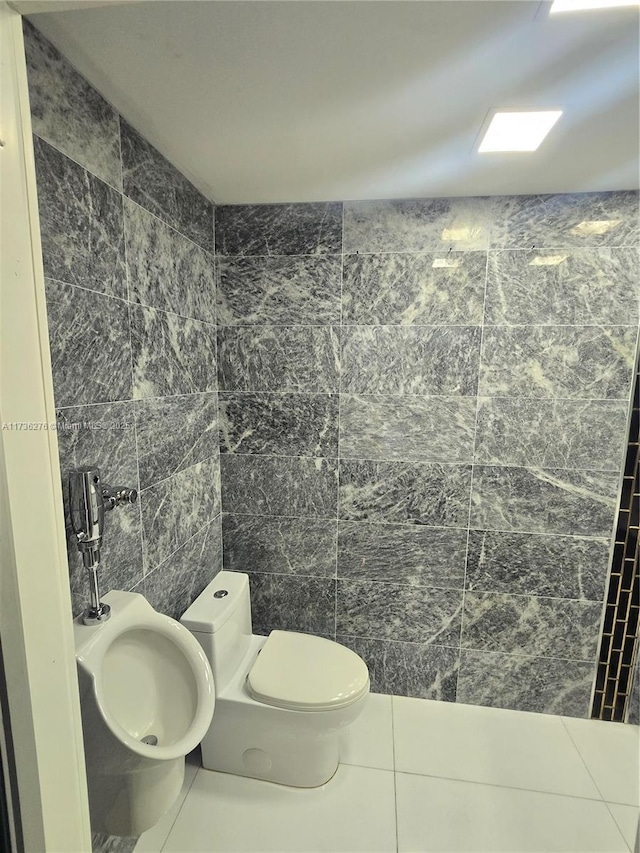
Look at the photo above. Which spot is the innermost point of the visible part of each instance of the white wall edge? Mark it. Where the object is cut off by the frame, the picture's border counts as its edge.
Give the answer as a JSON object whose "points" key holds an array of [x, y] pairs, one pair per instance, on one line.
{"points": [[35, 607]]}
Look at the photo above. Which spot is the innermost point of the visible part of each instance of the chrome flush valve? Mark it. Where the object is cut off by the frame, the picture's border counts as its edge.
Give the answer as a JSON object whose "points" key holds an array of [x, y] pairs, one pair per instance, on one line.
{"points": [[89, 497]]}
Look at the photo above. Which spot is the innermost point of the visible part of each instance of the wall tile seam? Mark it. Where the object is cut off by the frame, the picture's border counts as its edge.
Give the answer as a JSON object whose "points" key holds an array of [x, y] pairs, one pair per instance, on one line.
{"points": [[82, 166], [414, 525], [493, 249], [209, 323], [474, 447], [464, 648], [133, 400], [121, 191], [169, 225], [600, 325], [342, 579], [166, 559], [178, 473], [460, 649], [86, 289], [441, 463], [422, 645], [395, 394], [135, 425], [128, 301], [468, 462], [146, 572]]}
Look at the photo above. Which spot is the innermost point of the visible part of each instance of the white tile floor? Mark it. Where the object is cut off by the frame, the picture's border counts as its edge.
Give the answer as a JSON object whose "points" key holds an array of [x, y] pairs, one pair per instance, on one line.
{"points": [[429, 776]]}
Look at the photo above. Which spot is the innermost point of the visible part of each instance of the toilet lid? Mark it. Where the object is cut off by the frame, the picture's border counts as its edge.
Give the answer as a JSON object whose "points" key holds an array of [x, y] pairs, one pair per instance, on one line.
{"points": [[306, 673]]}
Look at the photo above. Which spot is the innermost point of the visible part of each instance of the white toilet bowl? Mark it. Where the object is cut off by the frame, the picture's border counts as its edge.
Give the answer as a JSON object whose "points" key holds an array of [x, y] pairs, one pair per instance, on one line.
{"points": [[281, 700], [147, 699]]}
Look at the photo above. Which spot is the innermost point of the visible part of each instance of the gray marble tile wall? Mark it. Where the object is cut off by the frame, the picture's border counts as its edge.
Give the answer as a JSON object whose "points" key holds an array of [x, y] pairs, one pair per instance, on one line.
{"points": [[423, 409], [128, 256]]}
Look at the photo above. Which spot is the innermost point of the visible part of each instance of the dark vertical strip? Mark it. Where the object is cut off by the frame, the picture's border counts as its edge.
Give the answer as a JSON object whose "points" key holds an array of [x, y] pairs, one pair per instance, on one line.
{"points": [[619, 643]]}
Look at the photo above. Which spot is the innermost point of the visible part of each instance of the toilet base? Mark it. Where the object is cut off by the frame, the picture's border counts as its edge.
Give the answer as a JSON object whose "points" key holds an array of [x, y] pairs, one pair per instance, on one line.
{"points": [[270, 744]]}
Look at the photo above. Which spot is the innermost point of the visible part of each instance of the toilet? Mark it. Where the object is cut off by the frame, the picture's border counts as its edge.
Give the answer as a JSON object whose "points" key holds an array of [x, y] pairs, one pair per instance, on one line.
{"points": [[281, 700]]}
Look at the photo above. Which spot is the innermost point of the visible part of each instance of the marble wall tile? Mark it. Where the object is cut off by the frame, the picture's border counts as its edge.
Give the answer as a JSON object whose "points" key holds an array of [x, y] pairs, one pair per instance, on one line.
{"points": [[419, 225], [279, 229], [167, 270], [283, 546], [404, 492], [102, 435], [414, 289], [588, 362], [150, 180], [408, 669], [531, 625], [391, 611], [564, 221], [174, 433], [543, 500], [279, 424], [541, 685], [90, 348], [179, 580], [551, 433], [523, 563], [171, 354], [279, 358], [280, 603], [279, 290], [173, 510], [268, 485], [411, 360], [407, 554], [81, 224], [576, 287], [420, 429], [69, 113]]}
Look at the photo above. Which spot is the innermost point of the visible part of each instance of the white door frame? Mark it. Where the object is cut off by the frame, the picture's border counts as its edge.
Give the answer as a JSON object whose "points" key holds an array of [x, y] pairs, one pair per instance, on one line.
{"points": [[35, 608]]}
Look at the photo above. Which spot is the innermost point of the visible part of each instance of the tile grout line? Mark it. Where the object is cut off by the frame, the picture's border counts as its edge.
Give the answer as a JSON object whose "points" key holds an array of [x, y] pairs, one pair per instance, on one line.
{"points": [[182, 545], [395, 774], [339, 393], [505, 787], [173, 822], [473, 465], [143, 542], [125, 195], [577, 749]]}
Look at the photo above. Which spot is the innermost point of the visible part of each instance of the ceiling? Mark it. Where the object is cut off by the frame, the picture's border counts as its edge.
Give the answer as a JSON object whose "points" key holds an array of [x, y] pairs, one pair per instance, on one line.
{"points": [[311, 101]]}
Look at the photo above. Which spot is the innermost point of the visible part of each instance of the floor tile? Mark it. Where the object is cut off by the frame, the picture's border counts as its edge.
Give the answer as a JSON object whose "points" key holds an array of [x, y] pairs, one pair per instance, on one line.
{"points": [[611, 751], [353, 812], [153, 839], [491, 745], [627, 818], [368, 742], [444, 815]]}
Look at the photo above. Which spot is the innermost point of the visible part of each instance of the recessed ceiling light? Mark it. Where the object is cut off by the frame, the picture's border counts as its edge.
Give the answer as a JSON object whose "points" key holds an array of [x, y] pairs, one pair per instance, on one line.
{"points": [[581, 5], [518, 131]]}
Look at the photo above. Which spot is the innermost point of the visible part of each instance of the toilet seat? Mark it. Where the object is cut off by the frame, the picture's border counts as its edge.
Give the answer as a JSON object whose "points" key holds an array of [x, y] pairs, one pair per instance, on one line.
{"points": [[302, 672]]}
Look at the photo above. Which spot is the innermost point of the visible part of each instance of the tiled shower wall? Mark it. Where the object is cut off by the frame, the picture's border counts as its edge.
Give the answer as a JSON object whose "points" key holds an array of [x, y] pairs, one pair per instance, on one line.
{"points": [[423, 411], [127, 247]]}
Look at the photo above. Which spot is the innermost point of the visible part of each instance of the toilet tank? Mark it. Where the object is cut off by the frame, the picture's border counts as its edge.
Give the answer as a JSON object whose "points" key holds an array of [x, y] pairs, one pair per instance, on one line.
{"points": [[220, 619]]}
